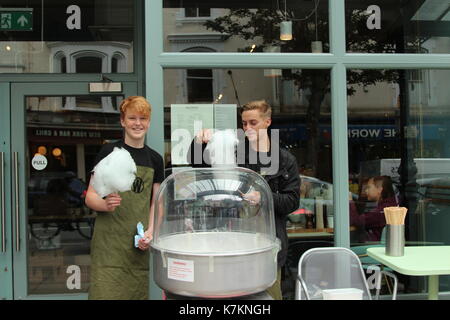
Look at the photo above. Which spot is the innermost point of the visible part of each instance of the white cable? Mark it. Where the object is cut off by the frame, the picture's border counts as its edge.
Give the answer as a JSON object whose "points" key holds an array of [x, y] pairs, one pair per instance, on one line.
{"points": [[307, 17]]}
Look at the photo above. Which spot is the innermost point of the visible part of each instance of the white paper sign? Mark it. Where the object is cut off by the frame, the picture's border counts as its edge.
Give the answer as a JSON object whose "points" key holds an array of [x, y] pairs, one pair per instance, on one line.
{"points": [[181, 270], [186, 120], [225, 116], [39, 162]]}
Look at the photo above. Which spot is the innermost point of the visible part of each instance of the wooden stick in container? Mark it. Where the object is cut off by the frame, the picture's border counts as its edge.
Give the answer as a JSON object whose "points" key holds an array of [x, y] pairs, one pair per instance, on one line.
{"points": [[405, 210], [386, 216]]}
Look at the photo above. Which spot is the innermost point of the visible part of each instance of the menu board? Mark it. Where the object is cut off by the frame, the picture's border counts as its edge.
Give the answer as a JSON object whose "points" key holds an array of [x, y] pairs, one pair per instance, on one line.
{"points": [[188, 119]]}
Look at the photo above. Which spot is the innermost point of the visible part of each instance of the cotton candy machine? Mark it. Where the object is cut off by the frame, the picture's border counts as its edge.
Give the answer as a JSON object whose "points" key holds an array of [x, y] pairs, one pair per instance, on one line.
{"points": [[214, 234]]}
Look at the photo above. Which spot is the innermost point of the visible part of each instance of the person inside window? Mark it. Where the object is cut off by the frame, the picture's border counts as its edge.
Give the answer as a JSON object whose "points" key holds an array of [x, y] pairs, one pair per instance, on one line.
{"points": [[380, 190], [281, 173]]}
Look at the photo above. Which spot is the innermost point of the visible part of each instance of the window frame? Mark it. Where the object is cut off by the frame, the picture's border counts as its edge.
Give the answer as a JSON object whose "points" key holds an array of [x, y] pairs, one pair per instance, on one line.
{"points": [[338, 61]]}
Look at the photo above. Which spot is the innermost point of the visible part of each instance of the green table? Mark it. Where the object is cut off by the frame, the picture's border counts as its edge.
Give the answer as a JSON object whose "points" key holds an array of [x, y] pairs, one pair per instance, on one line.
{"points": [[430, 261]]}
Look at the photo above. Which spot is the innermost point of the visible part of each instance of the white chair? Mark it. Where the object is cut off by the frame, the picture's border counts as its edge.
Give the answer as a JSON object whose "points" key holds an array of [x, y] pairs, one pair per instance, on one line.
{"points": [[335, 268]]}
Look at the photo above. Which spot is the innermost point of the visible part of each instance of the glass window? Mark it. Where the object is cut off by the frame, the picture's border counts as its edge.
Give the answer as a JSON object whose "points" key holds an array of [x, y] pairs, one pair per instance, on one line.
{"points": [[63, 65], [301, 116], [88, 65], [397, 26], [398, 135], [60, 31], [199, 85], [244, 26], [59, 223], [197, 12]]}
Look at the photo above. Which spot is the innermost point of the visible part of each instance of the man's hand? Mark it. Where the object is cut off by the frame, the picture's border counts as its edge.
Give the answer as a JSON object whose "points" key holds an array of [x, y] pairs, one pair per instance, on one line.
{"points": [[253, 197], [112, 201], [144, 243], [203, 136]]}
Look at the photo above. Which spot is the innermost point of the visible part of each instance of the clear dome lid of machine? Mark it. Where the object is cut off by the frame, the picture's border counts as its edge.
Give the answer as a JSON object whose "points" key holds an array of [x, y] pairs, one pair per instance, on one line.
{"points": [[214, 212]]}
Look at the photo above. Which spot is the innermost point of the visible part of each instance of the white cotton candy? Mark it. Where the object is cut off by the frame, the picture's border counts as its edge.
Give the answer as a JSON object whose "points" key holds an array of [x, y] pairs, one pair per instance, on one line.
{"points": [[221, 147], [114, 173]]}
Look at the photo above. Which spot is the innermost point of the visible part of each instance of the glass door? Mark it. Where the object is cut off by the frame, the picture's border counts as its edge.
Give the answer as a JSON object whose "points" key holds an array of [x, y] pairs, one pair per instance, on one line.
{"points": [[57, 130]]}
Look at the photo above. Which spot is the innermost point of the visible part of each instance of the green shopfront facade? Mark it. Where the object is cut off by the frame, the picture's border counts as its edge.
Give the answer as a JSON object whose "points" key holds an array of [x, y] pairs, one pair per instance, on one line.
{"points": [[359, 91]]}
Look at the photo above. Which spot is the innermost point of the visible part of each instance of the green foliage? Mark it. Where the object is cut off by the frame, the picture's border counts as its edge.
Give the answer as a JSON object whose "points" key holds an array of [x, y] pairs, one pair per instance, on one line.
{"points": [[262, 26]]}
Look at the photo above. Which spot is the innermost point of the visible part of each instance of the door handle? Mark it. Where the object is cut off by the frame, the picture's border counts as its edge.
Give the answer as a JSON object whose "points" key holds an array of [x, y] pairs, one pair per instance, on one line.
{"points": [[2, 202], [16, 198]]}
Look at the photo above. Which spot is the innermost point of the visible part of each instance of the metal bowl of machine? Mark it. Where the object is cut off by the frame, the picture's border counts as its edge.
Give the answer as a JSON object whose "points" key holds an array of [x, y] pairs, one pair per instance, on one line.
{"points": [[213, 238]]}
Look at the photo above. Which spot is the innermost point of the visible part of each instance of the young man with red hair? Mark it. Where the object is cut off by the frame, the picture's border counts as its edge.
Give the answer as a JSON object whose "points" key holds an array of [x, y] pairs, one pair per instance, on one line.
{"points": [[118, 270]]}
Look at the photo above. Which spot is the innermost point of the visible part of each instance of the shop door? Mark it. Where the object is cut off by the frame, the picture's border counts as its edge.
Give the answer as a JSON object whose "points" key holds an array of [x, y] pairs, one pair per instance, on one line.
{"points": [[56, 131]]}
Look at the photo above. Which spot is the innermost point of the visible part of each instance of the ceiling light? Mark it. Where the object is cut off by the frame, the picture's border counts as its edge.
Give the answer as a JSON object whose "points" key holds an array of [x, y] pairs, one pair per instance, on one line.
{"points": [[286, 30]]}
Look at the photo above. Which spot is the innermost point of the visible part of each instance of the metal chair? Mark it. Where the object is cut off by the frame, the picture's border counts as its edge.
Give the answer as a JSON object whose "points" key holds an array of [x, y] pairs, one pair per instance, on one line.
{"points": [[335, 268]]}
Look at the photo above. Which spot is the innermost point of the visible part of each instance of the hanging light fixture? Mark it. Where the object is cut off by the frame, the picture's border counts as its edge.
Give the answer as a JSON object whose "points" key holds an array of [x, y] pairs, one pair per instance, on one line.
{"points": [[272, 73], [286, 30], [285, 26], [316, 46], [56, 152]]}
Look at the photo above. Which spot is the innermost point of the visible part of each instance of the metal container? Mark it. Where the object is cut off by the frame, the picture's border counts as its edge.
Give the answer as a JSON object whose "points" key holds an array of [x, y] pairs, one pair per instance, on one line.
{"points": [[395, 240], [214, 234], [219, 274]]}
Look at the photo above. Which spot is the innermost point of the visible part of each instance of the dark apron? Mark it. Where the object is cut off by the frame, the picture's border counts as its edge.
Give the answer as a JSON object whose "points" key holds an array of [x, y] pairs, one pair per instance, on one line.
{"points": [[119, 271]]}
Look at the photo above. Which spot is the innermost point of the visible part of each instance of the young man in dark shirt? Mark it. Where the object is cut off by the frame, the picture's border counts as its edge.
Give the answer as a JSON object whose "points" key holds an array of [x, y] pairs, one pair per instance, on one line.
{"points": [[280, 172]]}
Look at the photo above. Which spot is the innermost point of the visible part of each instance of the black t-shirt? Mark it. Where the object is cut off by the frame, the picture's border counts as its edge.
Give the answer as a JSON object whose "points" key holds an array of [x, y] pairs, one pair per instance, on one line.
{"points": [[145, 157]]}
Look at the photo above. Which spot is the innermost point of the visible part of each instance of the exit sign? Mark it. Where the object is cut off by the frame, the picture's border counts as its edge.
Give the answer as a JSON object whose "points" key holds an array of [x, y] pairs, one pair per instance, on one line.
{"points": [[16, 19]]}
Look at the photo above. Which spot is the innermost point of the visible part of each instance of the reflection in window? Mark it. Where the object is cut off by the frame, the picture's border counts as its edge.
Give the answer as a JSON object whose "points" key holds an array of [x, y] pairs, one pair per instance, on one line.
{"points": [[114, 65], [199, 85], [57, 219], [398, 26], [399, 131], [301, 113], [106, 27], [245, 24], [118, 63], [197, 12], [64, 65], [88, 65]]}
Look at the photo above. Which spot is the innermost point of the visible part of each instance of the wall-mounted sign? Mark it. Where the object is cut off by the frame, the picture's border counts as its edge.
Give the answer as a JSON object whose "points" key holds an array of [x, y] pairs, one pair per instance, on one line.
{"points": [[16, 19], [101, 87]]}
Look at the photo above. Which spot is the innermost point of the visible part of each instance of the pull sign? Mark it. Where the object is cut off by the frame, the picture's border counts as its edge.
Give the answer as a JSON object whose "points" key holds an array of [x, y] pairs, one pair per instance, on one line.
{"points": [[100, 87], [39, 162]]}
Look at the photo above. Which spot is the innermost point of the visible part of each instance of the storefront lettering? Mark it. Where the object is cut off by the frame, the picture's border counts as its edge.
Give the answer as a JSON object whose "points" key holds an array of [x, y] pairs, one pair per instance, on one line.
{"points": [[44, 133], [389, 133], [74, 20], [371, 133], [67, 133]]}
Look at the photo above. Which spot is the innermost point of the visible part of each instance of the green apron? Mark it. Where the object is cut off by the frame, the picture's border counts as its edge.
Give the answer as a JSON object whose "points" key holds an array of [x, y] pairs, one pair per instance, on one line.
{"points": [[119, 271]]}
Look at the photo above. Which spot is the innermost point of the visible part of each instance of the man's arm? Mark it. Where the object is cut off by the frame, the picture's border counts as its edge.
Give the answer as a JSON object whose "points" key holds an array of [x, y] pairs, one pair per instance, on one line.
{"points": [[196, 156], [287, 199]]}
